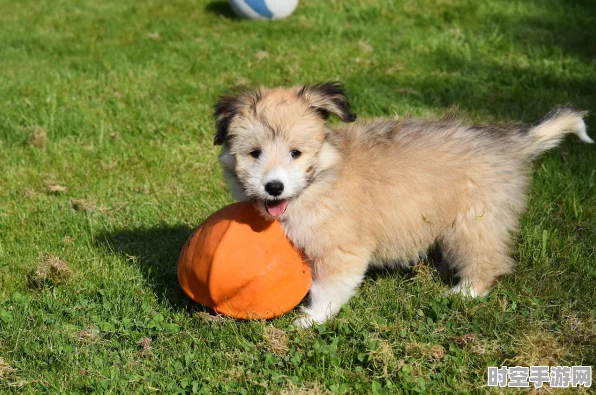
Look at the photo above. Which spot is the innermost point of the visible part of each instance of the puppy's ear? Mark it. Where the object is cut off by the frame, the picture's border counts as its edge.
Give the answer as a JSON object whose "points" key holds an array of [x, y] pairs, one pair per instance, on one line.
{"points": [[328, 98], [229, 106], [225, 110]]}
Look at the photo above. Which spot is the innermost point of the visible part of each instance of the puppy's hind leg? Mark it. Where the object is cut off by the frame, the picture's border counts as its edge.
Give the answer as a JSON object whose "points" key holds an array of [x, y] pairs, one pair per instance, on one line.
{"points": [[335, 281], [477, 249]]}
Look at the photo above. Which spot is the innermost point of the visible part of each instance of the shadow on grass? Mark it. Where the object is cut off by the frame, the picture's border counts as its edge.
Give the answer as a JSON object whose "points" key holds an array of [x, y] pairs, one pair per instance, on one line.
{"points": [[434, 259], [155, 251], [221, 8], [564, 24], [491, 90], [555, 32]]}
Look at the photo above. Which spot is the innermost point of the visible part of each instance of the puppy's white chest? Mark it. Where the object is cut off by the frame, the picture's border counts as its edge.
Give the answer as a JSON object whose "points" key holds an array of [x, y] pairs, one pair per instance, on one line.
{"points": [[302, 233]]}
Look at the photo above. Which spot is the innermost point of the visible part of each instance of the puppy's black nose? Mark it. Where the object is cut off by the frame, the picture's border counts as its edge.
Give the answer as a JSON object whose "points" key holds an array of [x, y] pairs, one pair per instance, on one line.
{"points": [[274, 188]]}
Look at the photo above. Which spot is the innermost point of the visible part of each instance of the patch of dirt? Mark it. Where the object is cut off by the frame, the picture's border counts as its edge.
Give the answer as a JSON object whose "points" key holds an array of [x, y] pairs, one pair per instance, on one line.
{"points": [[38, 137], [464, 339], [431, 351], [580, 329], [539, 348], [87, 206], [408, 91], [305, 389], [365, 47], [395, 69], [384, 354], [88, 335], [389, 327], [51, 270], [145, 343], [5, 369], [262, 55], [28, 193], [211, 318], [483, 347], [275, 341], [55, 188], [385, 357]]}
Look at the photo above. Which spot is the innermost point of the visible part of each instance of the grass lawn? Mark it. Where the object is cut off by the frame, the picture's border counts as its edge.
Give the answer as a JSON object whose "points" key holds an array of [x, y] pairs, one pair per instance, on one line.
{"points": [[107, 164]]}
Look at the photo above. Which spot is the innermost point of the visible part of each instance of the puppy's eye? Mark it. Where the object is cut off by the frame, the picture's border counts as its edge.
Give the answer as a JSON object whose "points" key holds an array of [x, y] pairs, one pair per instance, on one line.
{"points": [[256, 153], [295, 153]]}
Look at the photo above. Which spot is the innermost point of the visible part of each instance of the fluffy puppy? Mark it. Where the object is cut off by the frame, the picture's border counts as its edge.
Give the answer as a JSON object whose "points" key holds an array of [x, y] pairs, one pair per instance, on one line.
{"points": [[382, 191]]}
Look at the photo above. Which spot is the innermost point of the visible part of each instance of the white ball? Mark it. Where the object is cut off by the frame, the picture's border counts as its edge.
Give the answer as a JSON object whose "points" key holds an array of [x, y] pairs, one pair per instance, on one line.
{"points": [[263, 9]]}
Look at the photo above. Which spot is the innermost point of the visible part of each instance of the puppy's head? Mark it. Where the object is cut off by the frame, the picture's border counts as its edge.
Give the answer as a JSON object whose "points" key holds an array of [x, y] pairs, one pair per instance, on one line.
{"points": [[275, 140]]}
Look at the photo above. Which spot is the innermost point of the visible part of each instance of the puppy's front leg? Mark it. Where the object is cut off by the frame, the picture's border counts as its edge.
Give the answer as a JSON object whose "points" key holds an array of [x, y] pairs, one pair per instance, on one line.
{"points": [[334, 283]]}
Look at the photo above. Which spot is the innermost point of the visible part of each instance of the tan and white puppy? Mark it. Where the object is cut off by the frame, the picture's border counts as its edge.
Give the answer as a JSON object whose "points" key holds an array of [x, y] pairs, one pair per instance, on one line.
{"points": [[382, 191]]}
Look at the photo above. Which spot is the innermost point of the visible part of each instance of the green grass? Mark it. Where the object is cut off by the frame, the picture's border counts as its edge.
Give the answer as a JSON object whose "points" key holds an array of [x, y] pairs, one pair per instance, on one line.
{"points": [[125, 90]]}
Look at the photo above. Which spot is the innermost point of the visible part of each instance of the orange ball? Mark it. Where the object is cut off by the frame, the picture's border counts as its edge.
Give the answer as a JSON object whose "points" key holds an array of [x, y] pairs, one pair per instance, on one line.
{"points": [[241, 265]]}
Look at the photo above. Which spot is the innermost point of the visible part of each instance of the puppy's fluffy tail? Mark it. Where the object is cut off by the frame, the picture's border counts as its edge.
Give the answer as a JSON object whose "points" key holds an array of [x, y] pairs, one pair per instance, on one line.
{"points": [[549, 132]]}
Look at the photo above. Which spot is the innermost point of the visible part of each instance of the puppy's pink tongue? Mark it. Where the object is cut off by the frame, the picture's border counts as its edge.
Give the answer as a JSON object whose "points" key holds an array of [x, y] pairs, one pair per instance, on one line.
{"points": [[276, 207]]}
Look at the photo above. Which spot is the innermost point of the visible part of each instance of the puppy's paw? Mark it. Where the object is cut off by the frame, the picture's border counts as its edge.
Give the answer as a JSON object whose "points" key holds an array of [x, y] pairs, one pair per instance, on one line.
{"points": [[304, 322], [309, 318], [466, 289], [462, 290]]}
